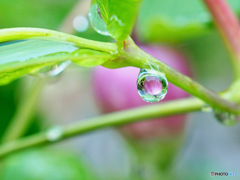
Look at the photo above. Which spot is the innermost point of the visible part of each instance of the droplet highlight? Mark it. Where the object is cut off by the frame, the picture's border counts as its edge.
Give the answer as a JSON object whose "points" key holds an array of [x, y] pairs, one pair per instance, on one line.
{"points": [[51, 71], [226, 118], [80, 23], [54, 133], [152, 85], [206, 108], [96, 20]]}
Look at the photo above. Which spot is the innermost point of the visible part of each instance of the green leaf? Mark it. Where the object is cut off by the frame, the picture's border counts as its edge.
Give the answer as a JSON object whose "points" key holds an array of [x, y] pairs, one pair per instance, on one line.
{"points": [[23, 57], [89, 58], [175, 20], [119, 16]]}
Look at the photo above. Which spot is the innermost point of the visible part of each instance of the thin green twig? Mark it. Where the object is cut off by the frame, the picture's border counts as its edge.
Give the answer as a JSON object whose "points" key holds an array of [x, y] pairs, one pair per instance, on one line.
{"points": [[138, 58], [114, 119], [11, 34], [130, 55]]}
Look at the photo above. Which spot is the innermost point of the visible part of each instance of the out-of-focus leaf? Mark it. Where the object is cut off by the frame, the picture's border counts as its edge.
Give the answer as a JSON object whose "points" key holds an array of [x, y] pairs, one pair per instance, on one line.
{"points": [[119, 16], [174, 20], [44, 164], [34, 13], [24, 57]]}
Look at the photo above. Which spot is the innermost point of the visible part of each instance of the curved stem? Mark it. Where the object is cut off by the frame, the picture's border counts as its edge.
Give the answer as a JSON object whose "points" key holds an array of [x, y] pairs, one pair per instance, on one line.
{"points": [[12, 34], [25, 111], [108, 120], [138, 58], [130, 55]]}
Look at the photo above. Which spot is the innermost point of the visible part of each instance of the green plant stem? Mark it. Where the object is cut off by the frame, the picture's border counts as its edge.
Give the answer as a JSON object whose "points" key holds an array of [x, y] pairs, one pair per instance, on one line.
{"points": [[108, 120], [228, 25], [25, 112], [138, 58], [26, 33], [130, 55]]}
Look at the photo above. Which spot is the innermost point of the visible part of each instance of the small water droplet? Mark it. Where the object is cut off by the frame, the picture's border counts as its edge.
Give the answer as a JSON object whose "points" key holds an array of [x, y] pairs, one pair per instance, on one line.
{"points": [[51, 71], [54, 133], [96, 20], [206, 108], [152, 85], [80, 23], [226, 118]]}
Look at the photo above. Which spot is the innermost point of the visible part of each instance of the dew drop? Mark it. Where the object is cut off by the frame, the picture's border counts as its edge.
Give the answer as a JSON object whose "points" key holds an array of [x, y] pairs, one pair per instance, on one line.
{"points": [[51, 71], [226, 118], [54, 133], [80, 23], [206, 108], [96, 20], [152, 85]]}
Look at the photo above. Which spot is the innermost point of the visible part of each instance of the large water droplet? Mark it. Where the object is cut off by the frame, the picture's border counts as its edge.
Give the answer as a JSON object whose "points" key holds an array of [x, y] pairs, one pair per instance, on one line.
{"points": [[54, 133], [51, 71], [96, 20], [226, 118], [152, 85]]}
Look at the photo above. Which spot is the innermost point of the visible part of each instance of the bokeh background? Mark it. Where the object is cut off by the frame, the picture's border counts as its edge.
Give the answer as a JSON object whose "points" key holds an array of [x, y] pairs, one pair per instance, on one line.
{"points": [[204, 145]]}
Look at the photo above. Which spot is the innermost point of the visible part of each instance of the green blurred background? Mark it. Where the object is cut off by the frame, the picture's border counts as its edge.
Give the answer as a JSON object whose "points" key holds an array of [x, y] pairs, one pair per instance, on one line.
{"points": [[106, 154]]}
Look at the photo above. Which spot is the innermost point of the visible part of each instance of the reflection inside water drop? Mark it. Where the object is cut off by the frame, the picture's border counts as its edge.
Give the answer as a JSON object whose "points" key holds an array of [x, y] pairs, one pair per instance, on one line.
{"points": [[152, 85], [54, 133], [226, 118], [96, 20]]}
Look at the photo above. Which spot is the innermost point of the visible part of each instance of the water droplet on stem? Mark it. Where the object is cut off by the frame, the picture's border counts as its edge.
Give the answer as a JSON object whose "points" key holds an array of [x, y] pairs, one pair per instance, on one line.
{"points": [[206, 108], [96, 20], [54, 133], [152, 85], [226, 118]]}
